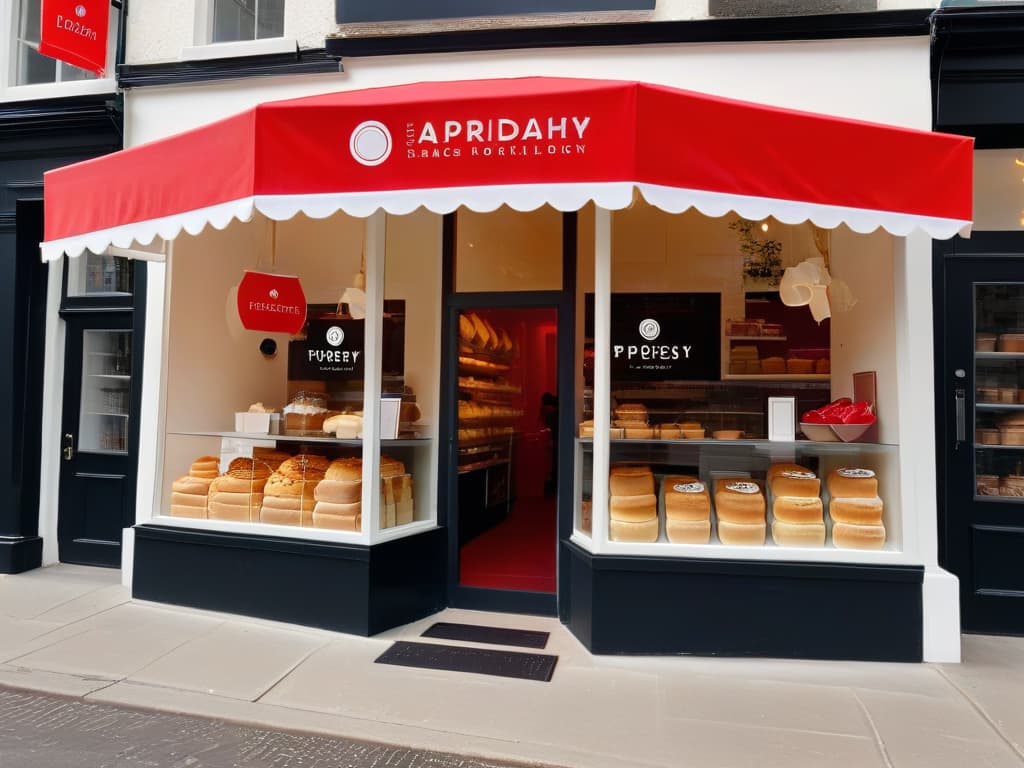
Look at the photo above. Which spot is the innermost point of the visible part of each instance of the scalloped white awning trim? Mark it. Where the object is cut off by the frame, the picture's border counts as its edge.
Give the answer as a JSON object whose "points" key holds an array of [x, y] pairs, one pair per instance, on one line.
{"points": [[524, 197]]}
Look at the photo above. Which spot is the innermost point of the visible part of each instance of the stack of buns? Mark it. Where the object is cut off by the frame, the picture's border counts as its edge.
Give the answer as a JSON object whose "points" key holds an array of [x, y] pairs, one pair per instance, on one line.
{"points": [[632, 506], [855, 509], [339, 496], [740, 505], [288, 495], [189, 493], [238, 494], [687, 510], [797, 511]]}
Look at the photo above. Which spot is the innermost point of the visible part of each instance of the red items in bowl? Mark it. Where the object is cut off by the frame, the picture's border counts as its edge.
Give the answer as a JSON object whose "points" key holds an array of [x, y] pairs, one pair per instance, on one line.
{"points": [[841, 411]]}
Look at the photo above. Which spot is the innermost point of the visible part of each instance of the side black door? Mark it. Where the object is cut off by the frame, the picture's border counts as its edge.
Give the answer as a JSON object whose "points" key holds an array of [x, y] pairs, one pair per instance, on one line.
{"points": [[980, 410]]}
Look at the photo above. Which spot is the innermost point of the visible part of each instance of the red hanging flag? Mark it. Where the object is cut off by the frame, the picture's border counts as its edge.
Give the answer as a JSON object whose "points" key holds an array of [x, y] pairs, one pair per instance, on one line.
{"points": [[75, 31]]}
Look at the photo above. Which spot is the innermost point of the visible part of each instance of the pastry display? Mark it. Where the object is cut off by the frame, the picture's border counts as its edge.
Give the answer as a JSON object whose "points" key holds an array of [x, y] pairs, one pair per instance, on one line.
{"points": [[288, 495], [238, 494], [344, 426], [856, 509], [740, 507], [632, 505], [798, 518], [338, 496], [687, 510]]}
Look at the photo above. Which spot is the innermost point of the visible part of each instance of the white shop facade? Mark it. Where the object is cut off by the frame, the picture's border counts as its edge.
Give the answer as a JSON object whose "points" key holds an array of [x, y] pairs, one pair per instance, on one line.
{"points": [[482, 297]]}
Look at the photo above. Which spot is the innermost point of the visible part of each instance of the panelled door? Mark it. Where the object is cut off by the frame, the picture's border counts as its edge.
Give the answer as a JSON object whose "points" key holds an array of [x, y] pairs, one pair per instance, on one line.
{"points": [[98, 467], [980, 405]]}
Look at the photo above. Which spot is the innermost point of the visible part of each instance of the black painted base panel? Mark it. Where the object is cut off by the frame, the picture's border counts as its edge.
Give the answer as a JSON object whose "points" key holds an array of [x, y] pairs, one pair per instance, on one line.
{"points": [[21, 554], [630, 605], [342, 587]]}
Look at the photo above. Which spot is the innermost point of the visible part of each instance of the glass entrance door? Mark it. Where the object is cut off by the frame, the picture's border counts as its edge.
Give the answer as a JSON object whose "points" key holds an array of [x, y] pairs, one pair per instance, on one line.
{"points": [[506, 447], [984, 439]]}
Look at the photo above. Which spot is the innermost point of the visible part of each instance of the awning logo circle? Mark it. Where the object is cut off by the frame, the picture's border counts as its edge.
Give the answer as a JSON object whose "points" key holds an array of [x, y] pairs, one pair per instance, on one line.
{"points": [[370, 143]]}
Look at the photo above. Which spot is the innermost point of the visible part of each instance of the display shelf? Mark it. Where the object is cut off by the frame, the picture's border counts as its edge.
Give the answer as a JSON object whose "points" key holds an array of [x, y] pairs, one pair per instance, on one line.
{"points": [[471, 367], [999, 355], [767, 447], [999, 406], [117, 376], [990, 446], [777, 377], [478, 465], [756, 338], [399, 443], [104, 413]]}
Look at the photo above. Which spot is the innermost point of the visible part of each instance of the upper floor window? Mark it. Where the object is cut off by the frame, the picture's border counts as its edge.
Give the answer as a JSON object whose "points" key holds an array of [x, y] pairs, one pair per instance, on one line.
{"points": [[234, 20], [29, 66]]}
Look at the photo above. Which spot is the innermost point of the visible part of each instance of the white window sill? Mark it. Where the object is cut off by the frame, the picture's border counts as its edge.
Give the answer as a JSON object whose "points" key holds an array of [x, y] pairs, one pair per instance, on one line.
{"points": [[58, 90], [240, 48]]}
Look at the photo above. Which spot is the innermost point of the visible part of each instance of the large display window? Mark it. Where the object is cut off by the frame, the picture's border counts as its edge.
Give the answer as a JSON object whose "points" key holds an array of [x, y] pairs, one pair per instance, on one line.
{"points": [[328, 433], [691, 347]]}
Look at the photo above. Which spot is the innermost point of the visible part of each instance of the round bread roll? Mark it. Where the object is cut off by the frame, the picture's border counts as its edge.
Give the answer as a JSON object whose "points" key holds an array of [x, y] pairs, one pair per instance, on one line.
{"points": [[345, 469], [205, 464], [798, 534], [623, 530], [249, 469], [798, 509], [305, 466], [282, 486], [850, 536], [192, 485], [741, 534], [272, 458], [688, 531], [856, 511], [633, 509]]}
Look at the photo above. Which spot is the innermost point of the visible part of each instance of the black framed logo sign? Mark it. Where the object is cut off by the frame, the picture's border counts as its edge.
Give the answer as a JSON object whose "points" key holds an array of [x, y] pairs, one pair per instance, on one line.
{"points": [[663, 336]]}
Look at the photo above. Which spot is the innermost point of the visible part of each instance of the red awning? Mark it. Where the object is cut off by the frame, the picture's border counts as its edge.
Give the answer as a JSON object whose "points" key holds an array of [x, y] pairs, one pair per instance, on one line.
{"points": [[520, 142]]}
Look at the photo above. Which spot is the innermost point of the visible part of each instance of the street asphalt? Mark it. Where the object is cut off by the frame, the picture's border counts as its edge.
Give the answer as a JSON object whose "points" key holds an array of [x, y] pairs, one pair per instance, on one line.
{"points": [[38, 731]]}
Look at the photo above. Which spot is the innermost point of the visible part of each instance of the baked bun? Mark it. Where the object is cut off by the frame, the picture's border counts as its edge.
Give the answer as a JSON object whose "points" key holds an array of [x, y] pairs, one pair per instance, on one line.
{"points": [[630, 480], [343, 522], [249, 469], [283, 486], [188, 500], [232, 484], [850, 536], [199, 486], [345, 469], [686, 498], [622, 530], [506, 342], [272, 458], [390, 467], [184, 510], [741, 534], [852, 483], [305, 466], [796, 483], [633, 509], [856, 511], [688, 531], [241, 513], [466, 330], [798, 534], [798, 509], [739, 500], [204, 465], [339, 491], [480, 333]]}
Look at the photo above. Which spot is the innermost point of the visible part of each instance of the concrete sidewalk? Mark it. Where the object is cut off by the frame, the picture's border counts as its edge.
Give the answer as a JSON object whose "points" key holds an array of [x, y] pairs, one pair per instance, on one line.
{"points": [[75, 631]]}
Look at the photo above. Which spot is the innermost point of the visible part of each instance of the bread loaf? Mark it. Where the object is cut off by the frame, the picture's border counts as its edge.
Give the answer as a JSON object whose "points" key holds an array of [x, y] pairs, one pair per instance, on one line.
{"points": [[328, 508], [234, 512], [740, 501], [686, 498], [345, 469], [633, 509], [798, 509], [856, 511], [304, 465], [631, 480], [776, 469], [852, 483], [798, 534], [796, 483], [352, 522], [204, 465], [233, 484], [466, 329], [179, 510], [270, 457], [850, 536], [199, 486], [622, 530], [188, 499], [741, 534], [230, 497], [339, 491], [688, 531], [390, 467]]}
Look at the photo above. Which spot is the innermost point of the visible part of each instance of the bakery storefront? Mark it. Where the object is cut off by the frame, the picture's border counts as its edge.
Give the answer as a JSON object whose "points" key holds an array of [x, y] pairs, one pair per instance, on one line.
{"points": [[514, 345]]}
